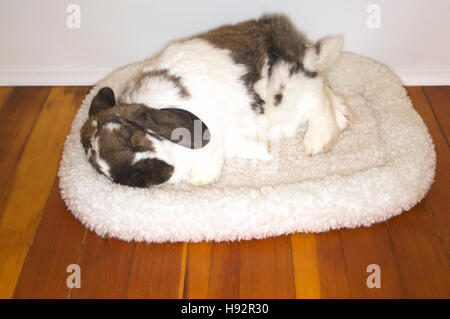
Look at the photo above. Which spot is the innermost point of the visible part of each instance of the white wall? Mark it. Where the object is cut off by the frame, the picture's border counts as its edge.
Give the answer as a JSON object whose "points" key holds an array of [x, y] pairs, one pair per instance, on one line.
{"points": [[36, 46]]}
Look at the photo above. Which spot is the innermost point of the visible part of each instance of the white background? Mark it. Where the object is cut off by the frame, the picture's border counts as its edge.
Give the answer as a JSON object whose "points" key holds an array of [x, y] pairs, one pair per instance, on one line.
{"points": [[36, 46]]}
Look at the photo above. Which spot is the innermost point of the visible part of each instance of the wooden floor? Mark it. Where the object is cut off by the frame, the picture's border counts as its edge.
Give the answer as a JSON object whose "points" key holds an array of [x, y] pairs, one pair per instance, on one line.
{"points": [[39, 238]]}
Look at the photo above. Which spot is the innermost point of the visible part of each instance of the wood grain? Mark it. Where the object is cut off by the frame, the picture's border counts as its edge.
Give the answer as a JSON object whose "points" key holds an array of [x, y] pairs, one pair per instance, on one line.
{"points": [[158, 271], [212, 271], [17, 118], [438, 194], [26, 194], [422, 262], [105, 266], [265, 268], [366, 246], [411, 249], [439, 98], [5, 92], [56, 245], [331, 264], [306, 268]]}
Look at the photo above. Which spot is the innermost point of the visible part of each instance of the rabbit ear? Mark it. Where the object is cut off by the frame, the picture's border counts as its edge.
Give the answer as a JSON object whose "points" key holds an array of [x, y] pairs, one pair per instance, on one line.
{"points": [[103, 100], [324, 53], [173, 124]]}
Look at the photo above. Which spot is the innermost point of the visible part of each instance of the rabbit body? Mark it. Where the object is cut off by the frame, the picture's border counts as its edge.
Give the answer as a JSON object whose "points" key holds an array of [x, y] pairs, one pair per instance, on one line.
{"points": [[250, 83]]}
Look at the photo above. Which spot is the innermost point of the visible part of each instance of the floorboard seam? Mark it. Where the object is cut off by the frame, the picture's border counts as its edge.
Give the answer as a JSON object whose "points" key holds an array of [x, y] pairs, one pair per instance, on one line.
{"points": [[436, 225], [79, 257], [211, 256], [19, 155], [32, 242], [129, 270], [183, 265], [292, 265], [345, 266], [7, 98], [239, 268], [394, 252], [435, 115]]}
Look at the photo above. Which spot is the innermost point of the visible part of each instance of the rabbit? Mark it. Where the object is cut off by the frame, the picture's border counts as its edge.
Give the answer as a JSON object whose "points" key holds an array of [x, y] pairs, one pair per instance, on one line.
{"points": [[215, 96]]}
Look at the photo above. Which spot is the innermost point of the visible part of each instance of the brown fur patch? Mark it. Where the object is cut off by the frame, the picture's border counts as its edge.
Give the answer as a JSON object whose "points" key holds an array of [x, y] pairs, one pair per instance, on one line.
{"points": [[299, 67], [272, 36], [87, 131], [102, 117], [120, 143], [164, 74], [317, 48], [277, 99], [118, 146], [129, 134]]}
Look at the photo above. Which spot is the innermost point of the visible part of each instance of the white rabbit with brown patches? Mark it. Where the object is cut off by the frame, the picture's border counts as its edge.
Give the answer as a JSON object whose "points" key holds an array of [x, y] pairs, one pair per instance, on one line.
{"points": [[212, 97]]}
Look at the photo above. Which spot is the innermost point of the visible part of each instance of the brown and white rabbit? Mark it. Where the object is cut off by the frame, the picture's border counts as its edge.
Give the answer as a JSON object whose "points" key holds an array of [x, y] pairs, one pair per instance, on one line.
{"points": [[214, 96]]}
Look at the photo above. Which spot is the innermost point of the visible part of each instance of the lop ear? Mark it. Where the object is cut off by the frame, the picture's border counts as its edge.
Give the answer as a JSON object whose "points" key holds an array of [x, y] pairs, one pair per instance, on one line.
{"points": [[173, 124], [103, 100]]}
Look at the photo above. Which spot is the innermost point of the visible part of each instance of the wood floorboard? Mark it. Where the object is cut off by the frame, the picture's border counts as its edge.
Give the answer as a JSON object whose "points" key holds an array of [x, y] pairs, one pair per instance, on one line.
{"points": [[56, 246], [422, 262], [331, 266], [40, 238], [306, 268], [158, 271], [212, 271], [439, 98], [17, 117], [265, 268], [370, 246], [28, 189], [105, 266], [5, 92], [438, 194]]}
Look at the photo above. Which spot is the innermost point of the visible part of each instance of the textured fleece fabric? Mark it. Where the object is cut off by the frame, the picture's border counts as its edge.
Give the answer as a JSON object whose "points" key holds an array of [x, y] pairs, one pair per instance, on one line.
{"points": [[383, 165]]}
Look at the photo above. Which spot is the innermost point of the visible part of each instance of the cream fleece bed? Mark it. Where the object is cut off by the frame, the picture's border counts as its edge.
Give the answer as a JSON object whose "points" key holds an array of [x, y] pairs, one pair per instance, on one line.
{"points": [[383, 165]]}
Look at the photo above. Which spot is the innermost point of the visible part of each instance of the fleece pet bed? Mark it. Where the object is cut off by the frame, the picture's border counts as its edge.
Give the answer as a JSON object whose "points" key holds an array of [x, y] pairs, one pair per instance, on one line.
{"points": [[383, 165]]}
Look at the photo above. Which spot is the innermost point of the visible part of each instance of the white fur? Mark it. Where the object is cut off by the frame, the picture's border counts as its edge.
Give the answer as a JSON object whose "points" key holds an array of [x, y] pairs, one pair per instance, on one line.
{"points": [[330, 48], [382, 166], [220, 99], [101, 162], [217, 97]]}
